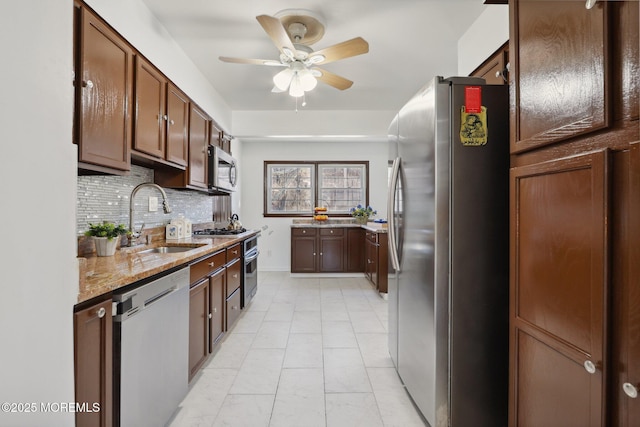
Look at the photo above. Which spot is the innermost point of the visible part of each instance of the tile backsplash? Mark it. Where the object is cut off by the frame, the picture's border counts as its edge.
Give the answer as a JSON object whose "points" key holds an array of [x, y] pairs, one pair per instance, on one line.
{"points": [[106, 198]]}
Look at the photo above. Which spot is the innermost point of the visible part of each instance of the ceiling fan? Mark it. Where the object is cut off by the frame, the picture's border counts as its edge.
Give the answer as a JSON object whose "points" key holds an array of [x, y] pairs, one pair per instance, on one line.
{"points": [[292, 31]]}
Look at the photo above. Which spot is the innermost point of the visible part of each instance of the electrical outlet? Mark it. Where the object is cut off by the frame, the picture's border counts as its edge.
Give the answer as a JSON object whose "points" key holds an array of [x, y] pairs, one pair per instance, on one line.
{"points": [[153, 204]]}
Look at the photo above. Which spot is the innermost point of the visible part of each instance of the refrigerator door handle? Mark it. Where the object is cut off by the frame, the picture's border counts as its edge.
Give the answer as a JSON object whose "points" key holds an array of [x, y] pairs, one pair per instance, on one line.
{"points": [[393, 185]]}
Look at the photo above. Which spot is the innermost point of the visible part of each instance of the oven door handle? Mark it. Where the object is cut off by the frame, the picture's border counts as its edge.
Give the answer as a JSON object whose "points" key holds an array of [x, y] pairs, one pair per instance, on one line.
{"points": [[252, 257]]}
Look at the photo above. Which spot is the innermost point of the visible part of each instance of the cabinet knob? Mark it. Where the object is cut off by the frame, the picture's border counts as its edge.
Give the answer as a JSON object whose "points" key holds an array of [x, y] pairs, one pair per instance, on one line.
{"points": [[210, 316], [320, 253], [630, 390], [87, 84], [331, 231], [215, 309], [211, 264], [314, 254], [102, 312], [590, 367], [235, 276], [304, 231], [235, 252]]}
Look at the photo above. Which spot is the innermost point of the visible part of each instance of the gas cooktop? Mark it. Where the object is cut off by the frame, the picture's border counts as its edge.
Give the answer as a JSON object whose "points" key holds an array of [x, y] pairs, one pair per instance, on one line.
{"points": [[219, 232]]}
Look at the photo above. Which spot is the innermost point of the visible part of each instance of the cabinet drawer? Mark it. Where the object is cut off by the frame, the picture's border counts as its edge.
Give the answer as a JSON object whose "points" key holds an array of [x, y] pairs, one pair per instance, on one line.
{"points": [[233, 308], [332, 232], [233, 277], [207, 266], [372, 236], [304, 231], [234, 252]]}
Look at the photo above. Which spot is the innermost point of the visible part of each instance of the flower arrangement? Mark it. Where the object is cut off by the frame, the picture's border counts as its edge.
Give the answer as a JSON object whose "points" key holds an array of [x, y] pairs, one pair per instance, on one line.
{"points": [[106, 229], [362, 214]]}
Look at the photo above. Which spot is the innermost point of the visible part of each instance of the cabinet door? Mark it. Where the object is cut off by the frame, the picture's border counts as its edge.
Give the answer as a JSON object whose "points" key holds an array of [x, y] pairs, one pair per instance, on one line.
{"points": [[93, 329], [355, 254], [559, 291], [560, 71], [626, 292], [198, 142], [216, 307], [233, 309], [331, 254], [177, 150], [493, 70], [104, 119], [150, 110], [304, 250], [371, 268], [198, 326]]}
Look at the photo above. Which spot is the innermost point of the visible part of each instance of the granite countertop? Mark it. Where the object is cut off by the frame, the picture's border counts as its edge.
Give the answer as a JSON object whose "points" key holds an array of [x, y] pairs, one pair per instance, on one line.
{"points": [[101, 275], [375, 227]]}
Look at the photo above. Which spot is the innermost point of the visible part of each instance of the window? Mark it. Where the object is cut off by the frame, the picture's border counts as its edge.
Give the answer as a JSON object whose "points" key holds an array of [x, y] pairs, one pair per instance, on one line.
{"points": [[295, 188]]}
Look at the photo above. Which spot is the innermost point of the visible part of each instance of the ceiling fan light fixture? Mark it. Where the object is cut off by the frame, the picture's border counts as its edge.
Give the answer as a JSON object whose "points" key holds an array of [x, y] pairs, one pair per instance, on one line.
{"points": [[283, 79], [295, 89], [307, 81]]}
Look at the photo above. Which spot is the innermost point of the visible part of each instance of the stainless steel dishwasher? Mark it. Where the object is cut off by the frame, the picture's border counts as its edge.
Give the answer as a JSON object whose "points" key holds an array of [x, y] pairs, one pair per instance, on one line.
{"points": [[151, 342]]}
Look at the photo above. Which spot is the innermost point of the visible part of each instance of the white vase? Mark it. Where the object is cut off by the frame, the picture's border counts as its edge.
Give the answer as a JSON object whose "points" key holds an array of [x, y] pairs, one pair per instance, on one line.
{"points": [[106, 246]]}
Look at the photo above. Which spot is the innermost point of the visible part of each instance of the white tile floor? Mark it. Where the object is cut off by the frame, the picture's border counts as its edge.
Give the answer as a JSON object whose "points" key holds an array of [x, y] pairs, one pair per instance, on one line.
{"points": [[306, 352]]}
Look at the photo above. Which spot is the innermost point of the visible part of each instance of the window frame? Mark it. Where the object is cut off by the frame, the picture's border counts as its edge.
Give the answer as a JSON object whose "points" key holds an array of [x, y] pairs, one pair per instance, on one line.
{"points": [[315, 184]]}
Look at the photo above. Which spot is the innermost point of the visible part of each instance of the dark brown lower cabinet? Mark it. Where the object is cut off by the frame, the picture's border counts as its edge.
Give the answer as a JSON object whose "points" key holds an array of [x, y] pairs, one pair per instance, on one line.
{"points": [[93, 354], [206, 308], [331, 256], [354, 256], [560, 216], [340, 250], [304, 250], [376, 263], [216, 307], [198, 326]]}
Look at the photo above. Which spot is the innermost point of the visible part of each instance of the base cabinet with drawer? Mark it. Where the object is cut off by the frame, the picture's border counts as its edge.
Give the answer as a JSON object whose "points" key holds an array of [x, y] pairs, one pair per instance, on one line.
{"points": [[206, 308], [340, 250], [376, 267]]}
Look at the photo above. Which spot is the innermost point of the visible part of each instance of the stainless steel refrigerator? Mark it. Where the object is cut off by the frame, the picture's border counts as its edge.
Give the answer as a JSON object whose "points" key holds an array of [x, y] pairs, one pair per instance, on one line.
{"points": [[448, 237]]}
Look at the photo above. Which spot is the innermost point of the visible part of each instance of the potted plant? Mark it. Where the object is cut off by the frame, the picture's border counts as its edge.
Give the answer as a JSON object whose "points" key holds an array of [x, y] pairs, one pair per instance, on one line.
{"points": [[106, 236], [362, 214]]}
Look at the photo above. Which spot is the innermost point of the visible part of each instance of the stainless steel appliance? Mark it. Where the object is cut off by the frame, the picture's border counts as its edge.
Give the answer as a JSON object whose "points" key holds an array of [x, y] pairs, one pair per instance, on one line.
{"points": [[448, 237], [219, 232], [223, 171], [250, 275], [151, 363]]}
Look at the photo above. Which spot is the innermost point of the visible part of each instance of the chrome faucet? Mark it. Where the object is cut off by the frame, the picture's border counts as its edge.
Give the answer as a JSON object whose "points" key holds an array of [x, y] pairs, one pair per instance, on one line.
{"points": [[133, 235]]}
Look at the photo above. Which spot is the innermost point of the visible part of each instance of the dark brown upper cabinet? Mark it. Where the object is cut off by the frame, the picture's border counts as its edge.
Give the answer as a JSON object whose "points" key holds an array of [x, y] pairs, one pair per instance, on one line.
{"points": [[104, 95], [161, 119], [560, 71]]}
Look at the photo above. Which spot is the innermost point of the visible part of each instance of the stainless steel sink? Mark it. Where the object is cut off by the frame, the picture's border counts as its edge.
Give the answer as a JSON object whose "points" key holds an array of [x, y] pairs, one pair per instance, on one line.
{"points": [[168, 249]]}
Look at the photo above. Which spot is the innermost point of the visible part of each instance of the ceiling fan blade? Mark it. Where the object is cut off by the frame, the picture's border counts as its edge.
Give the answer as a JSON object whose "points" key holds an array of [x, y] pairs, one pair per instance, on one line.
{"points": [[269, 62], [334, 80], [347, 49], [273, 27]]}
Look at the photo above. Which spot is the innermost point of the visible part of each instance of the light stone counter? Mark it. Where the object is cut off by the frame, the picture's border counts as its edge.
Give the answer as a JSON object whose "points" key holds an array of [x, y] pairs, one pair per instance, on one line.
{"points": [[339, 222]]}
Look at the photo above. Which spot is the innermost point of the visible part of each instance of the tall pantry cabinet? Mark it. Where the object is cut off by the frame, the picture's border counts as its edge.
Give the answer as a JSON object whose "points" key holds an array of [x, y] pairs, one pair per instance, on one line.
{"points": [[575, 213]]}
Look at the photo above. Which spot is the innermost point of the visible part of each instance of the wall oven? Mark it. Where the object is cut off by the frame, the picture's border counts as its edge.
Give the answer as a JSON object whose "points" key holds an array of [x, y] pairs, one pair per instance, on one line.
{"points": [[250, 275], [223, 171]]}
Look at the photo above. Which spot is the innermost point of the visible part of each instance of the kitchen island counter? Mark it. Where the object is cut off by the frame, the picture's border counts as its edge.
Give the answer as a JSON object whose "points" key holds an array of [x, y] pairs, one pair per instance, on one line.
{"points": [[375, 227]]}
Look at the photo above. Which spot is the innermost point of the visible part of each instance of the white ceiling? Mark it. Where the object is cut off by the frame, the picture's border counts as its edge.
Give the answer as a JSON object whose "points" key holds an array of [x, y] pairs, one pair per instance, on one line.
{"points": [[410, 41]]}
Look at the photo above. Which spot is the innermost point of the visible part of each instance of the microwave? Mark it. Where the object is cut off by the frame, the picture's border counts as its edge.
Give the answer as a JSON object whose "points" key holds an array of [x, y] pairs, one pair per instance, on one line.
{"points": [[223, 171]]}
